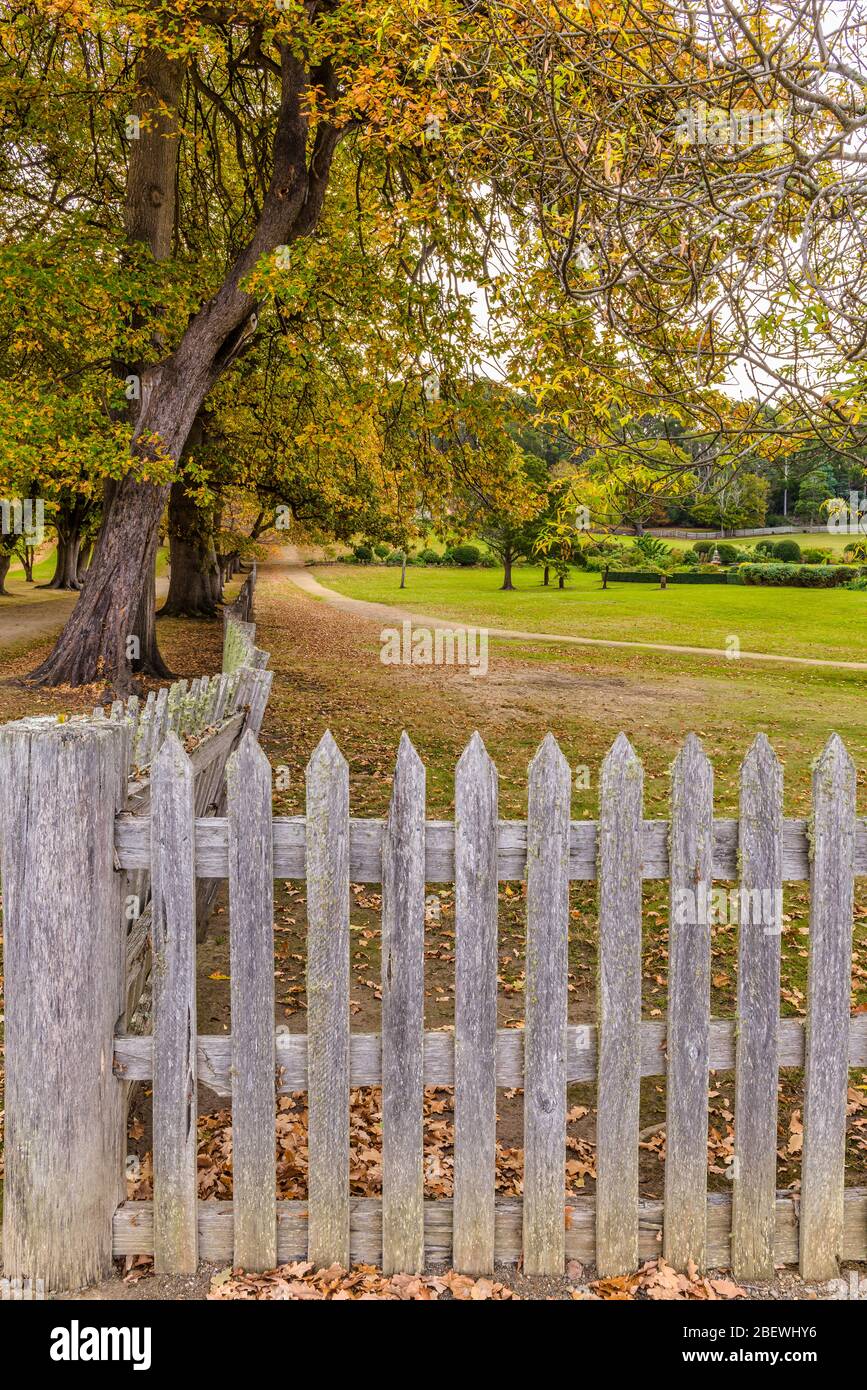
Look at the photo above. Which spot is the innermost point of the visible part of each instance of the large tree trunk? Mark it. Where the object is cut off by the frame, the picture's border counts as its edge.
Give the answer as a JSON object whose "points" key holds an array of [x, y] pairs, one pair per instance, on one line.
{"points": [[66, 563], [84, 558], [99, 639], [507, 571], [149, 662], [94, 644], [193, 558], [5, 562]]}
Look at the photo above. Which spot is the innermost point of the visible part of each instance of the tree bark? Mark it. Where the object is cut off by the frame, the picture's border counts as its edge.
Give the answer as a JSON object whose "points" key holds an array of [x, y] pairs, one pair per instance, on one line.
{"points": [[193, 558], [561, 581], [85, 555], [546, 575], [66, 565], [94, 644], [5, 562], [507, 571]]}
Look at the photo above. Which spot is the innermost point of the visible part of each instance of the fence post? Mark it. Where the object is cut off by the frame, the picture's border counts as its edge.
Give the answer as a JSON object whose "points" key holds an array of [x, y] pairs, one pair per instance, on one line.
{"points": [[65, 957]]}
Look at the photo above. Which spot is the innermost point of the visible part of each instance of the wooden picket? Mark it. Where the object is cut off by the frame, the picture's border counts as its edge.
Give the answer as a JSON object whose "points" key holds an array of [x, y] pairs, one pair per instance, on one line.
{"points": [[328, 1003], [826, 1072], [172, 838], [476, 800], [251, 941], [619, 1003], [174, 1011], [691, 872], [754, 1187], [403, 910]]}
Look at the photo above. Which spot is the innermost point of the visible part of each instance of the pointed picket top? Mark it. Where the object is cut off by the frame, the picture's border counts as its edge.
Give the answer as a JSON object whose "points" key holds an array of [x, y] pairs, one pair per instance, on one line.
{"points": [[171, 760], [248, 764], [833, 767], [690, 757], [326, 754], [549, 761], [761, 755], [475, 758], [409, 770], [621, 761], [762, 768]]}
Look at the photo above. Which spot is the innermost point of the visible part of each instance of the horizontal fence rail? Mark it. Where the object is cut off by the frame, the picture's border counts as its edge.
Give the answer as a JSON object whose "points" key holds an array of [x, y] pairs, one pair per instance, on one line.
{"points": [[752, 1227], [366, 838]]}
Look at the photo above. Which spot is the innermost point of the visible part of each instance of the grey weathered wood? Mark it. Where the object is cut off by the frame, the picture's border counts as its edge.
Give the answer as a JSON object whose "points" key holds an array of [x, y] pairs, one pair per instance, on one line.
{"points": [[133, 1229], [133, 1055], [173, 947], [476, 799], [251, 937], [756, 1066], [691, 852], [545, 996], [366, 849], [254, 691], [619, 1010], [161, 721], [403, 1018], [828, 993], [175, 706], [328, 1003], [60, 787]]}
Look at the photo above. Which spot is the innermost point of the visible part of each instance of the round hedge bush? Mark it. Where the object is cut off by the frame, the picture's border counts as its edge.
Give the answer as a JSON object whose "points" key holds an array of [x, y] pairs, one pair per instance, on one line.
{"points": [[466, 554], [788, 551]]}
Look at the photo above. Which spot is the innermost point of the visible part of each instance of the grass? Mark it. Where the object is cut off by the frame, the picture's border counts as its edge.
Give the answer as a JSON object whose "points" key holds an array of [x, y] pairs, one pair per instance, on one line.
{"points": [[822, 623], [44, 567]]}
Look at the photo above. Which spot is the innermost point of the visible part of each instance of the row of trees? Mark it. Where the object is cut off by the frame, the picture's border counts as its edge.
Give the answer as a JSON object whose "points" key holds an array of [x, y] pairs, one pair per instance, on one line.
{"points": [[237, 244]]}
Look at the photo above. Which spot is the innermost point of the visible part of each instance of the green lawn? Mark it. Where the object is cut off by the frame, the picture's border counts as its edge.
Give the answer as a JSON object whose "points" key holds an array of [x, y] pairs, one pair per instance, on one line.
{"points": [[823, 623], [44, 568], [831, 540]]}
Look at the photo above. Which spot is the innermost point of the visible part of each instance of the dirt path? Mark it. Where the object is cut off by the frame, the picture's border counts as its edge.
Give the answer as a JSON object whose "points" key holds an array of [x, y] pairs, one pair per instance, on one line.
{"points": [[293, 570], [33, 612]]}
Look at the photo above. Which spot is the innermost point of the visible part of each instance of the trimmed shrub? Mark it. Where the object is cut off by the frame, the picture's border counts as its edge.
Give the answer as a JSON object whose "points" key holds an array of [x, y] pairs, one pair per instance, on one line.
{"points": [[814, 555], [429, 557], [727, 552], [362, 554], [467, 555], [382, 551], [800, 576], [788, 551], [690, 557]]}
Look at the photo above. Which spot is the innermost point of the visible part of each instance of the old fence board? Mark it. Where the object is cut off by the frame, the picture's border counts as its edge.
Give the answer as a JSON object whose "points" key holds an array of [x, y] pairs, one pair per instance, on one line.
{"points": [[545, 993], [403, 908], [756, 1065], [251, 938], [328, 1002], [476, 799], [619, 1005]]}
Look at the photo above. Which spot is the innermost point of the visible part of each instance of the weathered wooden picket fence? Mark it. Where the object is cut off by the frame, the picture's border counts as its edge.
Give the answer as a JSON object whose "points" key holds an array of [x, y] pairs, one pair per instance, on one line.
{"points": [[62, 783], [753, 1228]]}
